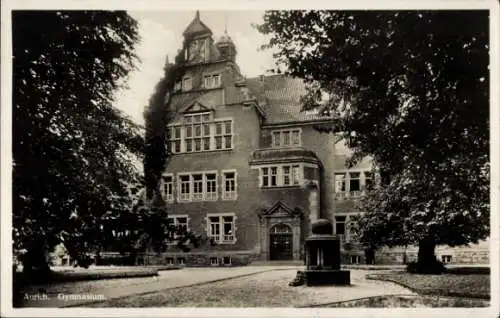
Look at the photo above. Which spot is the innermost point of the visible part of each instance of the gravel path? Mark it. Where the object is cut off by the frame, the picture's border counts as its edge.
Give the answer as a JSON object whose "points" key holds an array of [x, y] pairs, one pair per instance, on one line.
{"points": [[254, 286], [72, 293], [268, 289]]}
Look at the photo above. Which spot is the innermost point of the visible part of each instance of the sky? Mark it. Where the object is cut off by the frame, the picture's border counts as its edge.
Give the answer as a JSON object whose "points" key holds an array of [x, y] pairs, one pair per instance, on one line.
{"points": [[161, 36]]}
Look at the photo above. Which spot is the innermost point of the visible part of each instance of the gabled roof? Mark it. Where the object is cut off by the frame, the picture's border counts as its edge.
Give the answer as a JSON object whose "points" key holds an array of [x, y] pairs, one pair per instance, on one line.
{"points": [[283, 99], [195, 107], [196, 27], [280, 209]]}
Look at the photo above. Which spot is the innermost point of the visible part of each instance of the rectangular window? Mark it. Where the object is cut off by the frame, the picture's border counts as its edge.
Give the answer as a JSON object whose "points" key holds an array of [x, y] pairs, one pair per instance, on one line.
{"points": [[201, 133], [228, 229], [185, 188], [340, 224], [286, 138], [228, 135], [274, 176], [340, 185], [187, 84], [212, 81], [211, 186], [286, 176], [226, 260], [214, 227], [265, 177], [280, 176], [368, 181], [355, 259], [446, 259], [214, 261], [221, 228], [175, 139], [354, 184], [169, 260], [229, 186], [296, 137], [197, 186], [276, 139], [168, 188], [180, 223], [181, 261], [296, 175]]}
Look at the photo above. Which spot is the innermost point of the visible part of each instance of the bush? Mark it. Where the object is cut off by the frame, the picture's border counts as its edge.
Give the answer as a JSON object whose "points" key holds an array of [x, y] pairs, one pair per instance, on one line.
{"points": [[436, 267]]}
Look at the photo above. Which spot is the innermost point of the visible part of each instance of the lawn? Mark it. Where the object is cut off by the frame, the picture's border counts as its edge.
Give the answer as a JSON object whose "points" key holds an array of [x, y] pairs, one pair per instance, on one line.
{"points": [[460, 285]]}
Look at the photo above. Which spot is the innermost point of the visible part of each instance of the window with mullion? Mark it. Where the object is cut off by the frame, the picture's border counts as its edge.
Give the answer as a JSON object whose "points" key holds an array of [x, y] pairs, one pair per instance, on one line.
{"points": [[274, 177], [286, 176], [197, 186], [185, 188], [354, 183], [211, 186], [168, 188], [229, 186]]}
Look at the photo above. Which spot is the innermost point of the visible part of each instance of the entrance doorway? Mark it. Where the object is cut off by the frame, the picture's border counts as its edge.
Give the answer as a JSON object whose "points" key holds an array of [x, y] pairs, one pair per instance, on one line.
{"points": [[281, 242]]}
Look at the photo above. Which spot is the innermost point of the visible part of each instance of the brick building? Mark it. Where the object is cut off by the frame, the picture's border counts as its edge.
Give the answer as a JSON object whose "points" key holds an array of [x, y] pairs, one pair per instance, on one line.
{"points": [[248, 169]]}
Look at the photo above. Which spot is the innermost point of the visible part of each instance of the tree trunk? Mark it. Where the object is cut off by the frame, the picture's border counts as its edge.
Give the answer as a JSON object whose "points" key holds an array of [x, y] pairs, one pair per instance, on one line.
{"points": [[427, 262], [426, 255], [35, 262]]}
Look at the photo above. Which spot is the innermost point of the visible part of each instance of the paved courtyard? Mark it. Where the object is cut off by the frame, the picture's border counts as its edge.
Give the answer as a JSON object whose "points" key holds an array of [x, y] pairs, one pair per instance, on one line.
{"points": [[191, 287]]}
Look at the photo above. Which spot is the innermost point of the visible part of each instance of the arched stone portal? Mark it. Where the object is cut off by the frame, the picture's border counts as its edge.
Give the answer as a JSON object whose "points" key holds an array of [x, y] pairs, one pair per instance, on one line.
{"points": [[280, 233]]}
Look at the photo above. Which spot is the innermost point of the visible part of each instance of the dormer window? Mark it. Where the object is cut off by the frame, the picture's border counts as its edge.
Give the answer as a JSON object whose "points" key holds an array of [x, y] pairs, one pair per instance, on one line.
{"points": [[212, 81], [286, 138], [187, 84]]}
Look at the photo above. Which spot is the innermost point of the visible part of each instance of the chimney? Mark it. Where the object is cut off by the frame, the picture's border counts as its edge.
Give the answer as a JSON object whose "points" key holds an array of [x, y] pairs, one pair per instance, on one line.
{"points": [[261, 77]]}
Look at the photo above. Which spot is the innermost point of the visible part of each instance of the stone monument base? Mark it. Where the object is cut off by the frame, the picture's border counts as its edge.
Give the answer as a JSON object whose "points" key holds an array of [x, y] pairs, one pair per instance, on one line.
{"points": [[326, 277]]}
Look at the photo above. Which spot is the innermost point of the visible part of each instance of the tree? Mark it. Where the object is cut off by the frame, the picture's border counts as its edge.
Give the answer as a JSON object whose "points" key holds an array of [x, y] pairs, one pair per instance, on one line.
{"points": [[409, 89], [72, 150]]}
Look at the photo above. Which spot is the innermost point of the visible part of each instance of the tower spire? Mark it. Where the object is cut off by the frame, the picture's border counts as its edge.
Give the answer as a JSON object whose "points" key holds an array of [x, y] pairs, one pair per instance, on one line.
{"points": [[197, 16]]}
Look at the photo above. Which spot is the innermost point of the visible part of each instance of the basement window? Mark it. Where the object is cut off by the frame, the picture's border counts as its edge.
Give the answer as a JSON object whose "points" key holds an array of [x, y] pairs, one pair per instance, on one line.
{"points": [[355, 259], [226, 260], [446, 259], [214, 261]]}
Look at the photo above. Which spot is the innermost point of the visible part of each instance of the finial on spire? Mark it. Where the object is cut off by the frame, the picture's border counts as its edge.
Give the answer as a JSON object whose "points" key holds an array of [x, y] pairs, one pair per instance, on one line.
{"points": [[197, 17]]}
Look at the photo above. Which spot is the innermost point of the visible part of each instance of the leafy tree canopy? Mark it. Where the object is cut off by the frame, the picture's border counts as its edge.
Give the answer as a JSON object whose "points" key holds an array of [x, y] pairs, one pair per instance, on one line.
{"points": [[409, 89], [72, 150]]}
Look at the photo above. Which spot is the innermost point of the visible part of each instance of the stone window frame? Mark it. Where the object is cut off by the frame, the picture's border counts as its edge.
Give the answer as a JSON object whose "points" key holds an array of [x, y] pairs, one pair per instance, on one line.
{"points": [[232, 195], [216, 263], [347, 193], [278, 137], [204, 194], [356, 257], [187, 83], [208, 142], [175, 217], [347, 236], [296, 169], [221, 223], [212, 77], [169, 197]]}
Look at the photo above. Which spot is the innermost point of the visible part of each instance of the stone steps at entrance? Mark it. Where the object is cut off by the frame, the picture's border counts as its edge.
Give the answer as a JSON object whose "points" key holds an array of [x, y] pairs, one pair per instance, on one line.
{"points": [[277, 263]]}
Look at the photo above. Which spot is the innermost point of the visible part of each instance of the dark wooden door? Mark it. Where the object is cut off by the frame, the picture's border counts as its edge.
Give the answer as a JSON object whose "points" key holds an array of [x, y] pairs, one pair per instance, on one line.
{"points": [[281, 243]]}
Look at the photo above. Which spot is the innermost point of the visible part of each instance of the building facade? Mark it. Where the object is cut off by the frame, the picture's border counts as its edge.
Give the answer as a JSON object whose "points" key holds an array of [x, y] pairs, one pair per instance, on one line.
{"points": [[248, 169]]}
